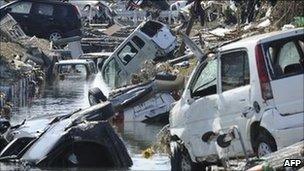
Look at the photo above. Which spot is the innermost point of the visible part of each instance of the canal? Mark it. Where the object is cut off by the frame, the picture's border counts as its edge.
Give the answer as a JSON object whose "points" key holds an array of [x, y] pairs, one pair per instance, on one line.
{"points": [[62, 97]]}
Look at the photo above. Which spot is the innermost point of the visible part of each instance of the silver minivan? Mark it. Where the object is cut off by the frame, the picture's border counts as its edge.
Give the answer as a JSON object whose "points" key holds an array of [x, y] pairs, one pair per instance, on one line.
{"points": [[151, 40]]}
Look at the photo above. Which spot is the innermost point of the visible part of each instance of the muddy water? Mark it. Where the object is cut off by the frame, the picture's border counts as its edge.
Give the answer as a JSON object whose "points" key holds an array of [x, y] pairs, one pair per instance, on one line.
{"points": [[69, 95]]}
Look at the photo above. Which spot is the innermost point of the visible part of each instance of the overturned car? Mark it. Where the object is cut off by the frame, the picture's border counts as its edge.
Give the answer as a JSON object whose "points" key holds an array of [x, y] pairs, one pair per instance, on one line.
{"points": [[80, 139], [145, 102]]}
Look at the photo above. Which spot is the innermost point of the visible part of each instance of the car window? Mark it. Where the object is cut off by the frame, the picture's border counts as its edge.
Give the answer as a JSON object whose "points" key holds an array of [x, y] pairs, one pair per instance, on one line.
{"points": [[234, 70], [44, 9], [127, 53], [72, 69], [151, 28], [138, 41], [111, 73], [61, 11], [21, 7], [286, 57], [205, 80]]}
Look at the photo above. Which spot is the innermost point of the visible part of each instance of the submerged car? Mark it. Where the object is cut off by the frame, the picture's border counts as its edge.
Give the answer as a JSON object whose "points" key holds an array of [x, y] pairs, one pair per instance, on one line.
{"points": [[144, 102], [47, 19], [151, 40], [255, 85], [80, 139], [74, 68]]}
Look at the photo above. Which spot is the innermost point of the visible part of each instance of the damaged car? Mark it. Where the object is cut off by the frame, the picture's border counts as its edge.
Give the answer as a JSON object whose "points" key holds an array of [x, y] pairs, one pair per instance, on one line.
{"points": [[80, 139], [74, 68], [151, 40], [51, 20], [255, 85], [145, 102]]}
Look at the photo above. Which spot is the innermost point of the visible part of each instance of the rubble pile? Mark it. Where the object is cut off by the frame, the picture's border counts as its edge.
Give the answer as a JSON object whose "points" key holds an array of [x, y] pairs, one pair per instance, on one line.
{"points": [[23, 60], [145, 68], [284, 12]]}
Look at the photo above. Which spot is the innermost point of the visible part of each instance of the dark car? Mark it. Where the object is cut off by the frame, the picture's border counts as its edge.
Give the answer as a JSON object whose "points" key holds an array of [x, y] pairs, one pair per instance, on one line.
{"points": [[44, 18]]}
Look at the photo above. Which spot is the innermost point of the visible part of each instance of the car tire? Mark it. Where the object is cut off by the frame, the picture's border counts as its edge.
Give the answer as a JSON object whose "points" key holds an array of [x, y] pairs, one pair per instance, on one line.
{"points": [[96, 96], [180, 159], [55, 35], [265, 144]]}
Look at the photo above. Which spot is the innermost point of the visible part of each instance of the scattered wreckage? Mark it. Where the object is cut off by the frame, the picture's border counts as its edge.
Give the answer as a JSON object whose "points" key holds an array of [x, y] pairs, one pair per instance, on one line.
{"points": [[80, 139], [266, 116], [95, 12], [146, 102]]}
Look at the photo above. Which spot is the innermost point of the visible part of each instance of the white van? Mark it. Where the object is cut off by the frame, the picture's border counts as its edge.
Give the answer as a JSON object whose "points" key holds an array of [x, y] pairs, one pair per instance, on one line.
{"points": [[255, 84], [151, 40]]}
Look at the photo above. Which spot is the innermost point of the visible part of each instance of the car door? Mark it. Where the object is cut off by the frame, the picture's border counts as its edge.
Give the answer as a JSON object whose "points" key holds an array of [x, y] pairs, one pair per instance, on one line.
{"points": [[113, 73], [286, 56], [21, 12], [234, 94], [201, 103], [43, 20]]}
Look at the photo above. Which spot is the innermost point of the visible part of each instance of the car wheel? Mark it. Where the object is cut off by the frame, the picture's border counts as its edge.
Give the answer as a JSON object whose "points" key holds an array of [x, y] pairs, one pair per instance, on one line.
{"points": [[96, 96], [55, 35], [265, 144], [180, 159]]}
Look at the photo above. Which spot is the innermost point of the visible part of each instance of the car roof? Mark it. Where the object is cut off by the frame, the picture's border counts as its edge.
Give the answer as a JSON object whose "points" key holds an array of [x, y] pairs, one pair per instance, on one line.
{"points": [[74, 61], [262, 38]]}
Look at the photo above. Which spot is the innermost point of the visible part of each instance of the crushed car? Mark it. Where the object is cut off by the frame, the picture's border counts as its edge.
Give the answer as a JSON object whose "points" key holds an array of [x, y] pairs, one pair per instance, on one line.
{"points": [[80, 139], [145, 102], [151, 40], [253, 84], [74, 68]]}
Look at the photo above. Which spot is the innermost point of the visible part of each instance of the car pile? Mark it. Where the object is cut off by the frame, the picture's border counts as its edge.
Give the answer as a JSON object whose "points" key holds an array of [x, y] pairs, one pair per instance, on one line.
{"points": [[243, 97]]}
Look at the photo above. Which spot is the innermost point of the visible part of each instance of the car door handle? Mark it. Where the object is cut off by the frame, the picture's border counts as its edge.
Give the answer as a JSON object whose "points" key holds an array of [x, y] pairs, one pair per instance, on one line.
{"points": [[25, 16], [242, 100], [51, 19]]}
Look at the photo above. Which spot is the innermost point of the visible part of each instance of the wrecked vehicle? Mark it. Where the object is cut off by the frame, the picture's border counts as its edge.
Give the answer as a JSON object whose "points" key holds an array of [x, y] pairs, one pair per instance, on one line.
{"points": [[145, 102], [255, 84], [74, 68], [80, 139], [45, 19], [151, 40]]}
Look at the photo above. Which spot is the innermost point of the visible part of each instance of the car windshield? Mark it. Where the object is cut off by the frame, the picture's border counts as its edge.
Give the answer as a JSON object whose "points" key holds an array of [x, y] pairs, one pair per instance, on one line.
{"points": [[73, 69]]}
